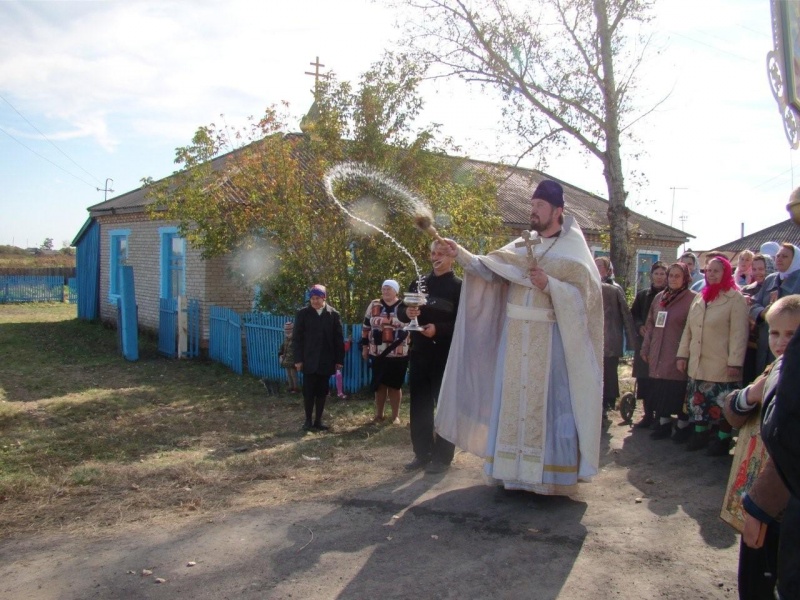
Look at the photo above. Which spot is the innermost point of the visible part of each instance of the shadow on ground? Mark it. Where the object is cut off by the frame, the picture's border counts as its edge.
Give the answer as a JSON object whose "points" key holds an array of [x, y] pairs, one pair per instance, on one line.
{"points": [[420, 537]]}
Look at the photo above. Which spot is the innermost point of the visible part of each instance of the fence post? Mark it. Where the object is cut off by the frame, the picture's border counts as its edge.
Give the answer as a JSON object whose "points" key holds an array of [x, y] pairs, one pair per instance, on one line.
{"points": [[183, 327]]}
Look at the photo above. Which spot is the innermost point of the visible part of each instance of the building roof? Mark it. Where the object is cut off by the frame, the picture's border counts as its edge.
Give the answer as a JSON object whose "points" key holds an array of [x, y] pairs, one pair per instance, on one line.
{"points": [[513, 200], [785, 231], [590, 211]]}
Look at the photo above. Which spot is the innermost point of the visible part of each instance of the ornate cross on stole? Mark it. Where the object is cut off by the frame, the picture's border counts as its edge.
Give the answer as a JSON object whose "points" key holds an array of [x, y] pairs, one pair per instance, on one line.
{"points": [[529, 243]]}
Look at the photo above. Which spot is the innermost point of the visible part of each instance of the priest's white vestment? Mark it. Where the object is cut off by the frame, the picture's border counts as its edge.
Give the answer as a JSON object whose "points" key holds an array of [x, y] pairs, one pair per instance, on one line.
{"points": [[523, 382]]}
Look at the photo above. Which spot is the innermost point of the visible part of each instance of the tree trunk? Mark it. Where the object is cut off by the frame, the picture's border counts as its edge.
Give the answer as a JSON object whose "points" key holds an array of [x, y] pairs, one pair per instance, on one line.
{"points": [[612, 158]]}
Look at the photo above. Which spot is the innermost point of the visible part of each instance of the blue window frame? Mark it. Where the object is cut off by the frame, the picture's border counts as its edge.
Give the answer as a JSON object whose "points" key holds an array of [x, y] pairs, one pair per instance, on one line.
{"points": [[173, 263], [644, 262], [118, 257]]}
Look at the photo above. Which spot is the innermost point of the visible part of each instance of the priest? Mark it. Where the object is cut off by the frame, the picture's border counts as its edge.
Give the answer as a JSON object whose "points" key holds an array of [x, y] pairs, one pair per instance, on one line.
{"points": [[523, 382]]}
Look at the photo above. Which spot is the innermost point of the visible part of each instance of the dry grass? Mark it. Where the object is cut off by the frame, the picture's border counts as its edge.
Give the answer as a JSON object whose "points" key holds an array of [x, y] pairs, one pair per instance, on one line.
{"points": [[27, 260], [90, 441]]}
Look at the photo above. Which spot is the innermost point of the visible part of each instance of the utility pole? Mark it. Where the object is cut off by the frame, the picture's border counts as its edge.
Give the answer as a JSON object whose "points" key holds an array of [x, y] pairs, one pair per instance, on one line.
{"points": [[106, 189], [672, 212], [683, 218]]}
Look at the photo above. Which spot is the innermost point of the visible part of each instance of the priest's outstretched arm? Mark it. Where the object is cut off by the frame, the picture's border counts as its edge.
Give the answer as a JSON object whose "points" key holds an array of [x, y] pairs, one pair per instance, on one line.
{"points": [[470, 261]]}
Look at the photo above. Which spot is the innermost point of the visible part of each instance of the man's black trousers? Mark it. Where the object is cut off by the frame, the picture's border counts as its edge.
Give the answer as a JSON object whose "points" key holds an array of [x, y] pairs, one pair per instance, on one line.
{"points": [[425, 379]]}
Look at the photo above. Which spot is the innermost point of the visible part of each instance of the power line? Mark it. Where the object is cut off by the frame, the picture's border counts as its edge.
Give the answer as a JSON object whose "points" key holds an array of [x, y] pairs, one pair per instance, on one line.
{"points": [[48, 139], [716, 48], [789, 170], [47, 159]]}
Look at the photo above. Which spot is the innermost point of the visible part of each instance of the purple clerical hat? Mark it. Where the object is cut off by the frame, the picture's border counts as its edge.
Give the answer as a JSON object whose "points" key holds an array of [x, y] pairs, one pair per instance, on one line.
{"points": [[551, 192]]}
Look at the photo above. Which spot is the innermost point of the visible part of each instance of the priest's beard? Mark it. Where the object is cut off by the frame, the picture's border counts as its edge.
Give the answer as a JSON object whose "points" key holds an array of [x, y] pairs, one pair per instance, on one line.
{"points": [[539, 226]]}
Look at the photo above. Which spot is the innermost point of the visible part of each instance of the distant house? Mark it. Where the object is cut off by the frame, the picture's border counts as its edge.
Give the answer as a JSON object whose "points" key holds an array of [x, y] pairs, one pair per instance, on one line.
{"points": [[785, 231], [120, 232], [164, 265]]}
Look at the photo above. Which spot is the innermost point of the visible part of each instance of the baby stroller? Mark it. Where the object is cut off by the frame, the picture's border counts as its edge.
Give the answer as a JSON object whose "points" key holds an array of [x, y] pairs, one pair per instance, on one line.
{"points": [[627, 404]]}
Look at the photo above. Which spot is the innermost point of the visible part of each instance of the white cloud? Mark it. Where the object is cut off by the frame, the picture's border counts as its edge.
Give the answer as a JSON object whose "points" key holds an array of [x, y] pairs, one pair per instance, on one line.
{"points": [[130, 81]]}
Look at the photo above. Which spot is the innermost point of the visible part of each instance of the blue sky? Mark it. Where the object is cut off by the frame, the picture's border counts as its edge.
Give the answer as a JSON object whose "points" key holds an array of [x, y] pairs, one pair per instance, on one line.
{"points": [[90, 90]]}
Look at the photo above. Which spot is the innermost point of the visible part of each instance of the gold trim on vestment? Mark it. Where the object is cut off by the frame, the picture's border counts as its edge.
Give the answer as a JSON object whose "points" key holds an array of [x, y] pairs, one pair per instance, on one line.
{"points": [[560, 469]]}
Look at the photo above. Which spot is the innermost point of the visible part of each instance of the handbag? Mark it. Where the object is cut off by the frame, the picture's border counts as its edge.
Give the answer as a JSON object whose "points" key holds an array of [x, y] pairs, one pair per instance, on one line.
{"points": [[749, 459]]}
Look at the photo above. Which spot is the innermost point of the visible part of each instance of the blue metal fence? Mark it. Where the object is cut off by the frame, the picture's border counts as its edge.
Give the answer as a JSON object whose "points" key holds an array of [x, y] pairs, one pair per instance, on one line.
{"points": [[72, 284], [88, 263], [195, 328], [356, 372], [31, 288], [264, 335], [263, 338], [225, 337], [168, 328]]}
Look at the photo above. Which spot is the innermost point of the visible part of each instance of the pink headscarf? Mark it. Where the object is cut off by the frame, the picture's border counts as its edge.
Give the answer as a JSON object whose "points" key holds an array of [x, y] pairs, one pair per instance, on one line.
{"points": [[712, 290]]}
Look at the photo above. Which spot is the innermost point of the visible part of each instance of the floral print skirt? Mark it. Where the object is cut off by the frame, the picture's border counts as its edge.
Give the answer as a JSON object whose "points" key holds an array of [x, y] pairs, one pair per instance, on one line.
{"points": [[704, 399]]}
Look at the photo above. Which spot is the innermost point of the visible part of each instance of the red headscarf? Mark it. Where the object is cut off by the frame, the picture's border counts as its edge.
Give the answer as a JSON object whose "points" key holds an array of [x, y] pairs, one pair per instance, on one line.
{"points": [[712, 290], [668, 295]]}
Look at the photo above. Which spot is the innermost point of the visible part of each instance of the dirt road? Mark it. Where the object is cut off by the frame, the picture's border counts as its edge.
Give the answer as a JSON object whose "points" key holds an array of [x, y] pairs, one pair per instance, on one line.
{"points": [[647, 527]]}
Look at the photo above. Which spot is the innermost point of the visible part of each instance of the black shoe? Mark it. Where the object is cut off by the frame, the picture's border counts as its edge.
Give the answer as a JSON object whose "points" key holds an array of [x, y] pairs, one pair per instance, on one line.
{"points": [[320, 427], [719, 447], [698, 441], [663, 432], [307, 426], [436, 467], [417, 463], [682, 435], [646, 421]]}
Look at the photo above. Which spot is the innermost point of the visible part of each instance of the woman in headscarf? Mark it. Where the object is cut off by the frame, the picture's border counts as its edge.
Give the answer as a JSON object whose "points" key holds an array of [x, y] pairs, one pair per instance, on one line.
{"points": [[712, 352], [761, 267], [665, 323], [639, 310], [385, 343], [783, 282]]}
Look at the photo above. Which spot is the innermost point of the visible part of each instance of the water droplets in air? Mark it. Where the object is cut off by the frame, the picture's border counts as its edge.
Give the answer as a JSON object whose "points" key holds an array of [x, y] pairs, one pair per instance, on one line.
{"points": [[369, 213]]}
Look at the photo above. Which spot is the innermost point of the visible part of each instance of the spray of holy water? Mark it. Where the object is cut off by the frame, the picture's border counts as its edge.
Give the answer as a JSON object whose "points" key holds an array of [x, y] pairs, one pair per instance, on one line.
{"points": [[409, 202]]}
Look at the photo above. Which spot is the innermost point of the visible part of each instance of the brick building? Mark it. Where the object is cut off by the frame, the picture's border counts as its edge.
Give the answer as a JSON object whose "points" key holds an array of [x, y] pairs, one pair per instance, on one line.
{"points": [[165, 265]]}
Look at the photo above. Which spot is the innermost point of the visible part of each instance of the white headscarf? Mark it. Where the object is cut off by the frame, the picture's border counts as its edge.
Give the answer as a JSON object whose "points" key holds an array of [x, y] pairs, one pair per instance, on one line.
{"points": [[795, 266]]}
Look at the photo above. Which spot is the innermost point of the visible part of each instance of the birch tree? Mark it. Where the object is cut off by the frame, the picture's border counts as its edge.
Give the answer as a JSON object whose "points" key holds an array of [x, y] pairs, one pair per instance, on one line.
{"points": [[565, 70]]}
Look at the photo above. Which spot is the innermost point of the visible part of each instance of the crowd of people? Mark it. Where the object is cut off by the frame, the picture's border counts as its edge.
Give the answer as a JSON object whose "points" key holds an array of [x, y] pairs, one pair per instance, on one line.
{"points": [[709, 346], [514, 364]]}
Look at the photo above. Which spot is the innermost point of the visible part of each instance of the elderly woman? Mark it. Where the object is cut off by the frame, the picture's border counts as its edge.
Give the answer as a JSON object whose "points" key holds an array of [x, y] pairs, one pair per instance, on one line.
{"points": [[712, 353], [639, 311], [761, 267], [665, 323], [384, 341], [785, 281]]}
